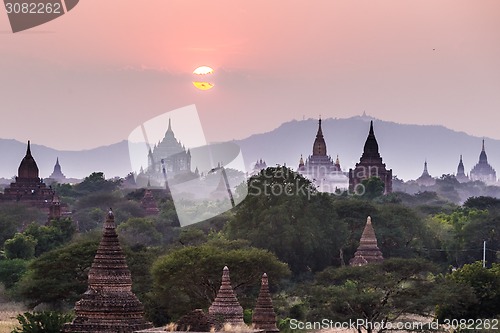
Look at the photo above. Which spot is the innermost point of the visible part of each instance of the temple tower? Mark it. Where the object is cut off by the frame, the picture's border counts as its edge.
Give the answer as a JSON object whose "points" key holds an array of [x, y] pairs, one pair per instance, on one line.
{"points": [[263, 317], [370, 165], [57, 174], [368, 251], [226, 304], [461, 176], [108, 305], [425, 179], [148, 203], [483, 171]]}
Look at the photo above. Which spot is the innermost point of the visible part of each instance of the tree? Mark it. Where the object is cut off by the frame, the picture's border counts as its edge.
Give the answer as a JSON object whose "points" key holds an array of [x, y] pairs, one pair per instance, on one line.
{"points": [[52, 235], [375, 293], [139, 231], [374, 188], [58, 276], [189, 277], [42, 322], [20, 247], [284, 214], [11, 271], [474, 292], [96, 182]]}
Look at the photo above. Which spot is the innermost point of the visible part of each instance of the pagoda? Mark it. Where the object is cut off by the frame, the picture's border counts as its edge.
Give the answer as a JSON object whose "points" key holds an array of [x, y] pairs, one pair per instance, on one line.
{"points": [[57, 174], [370, 165], [461, 176], [368, 251], [108, 305], [226, 304], [28, 187], [483, 171], [148, 203], [425, 179], [263, 316], [320, 168]]}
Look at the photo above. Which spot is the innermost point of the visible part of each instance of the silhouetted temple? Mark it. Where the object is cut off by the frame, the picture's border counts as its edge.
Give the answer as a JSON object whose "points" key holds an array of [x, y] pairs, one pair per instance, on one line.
{"points": [[425, 179], [226, 304], [483, 171], [28, 187], [461, 176], [368, 251], [169, 154], [263, 316], [108, 305], [148, 203], [320, 168], [57, 174], [370, 165]]}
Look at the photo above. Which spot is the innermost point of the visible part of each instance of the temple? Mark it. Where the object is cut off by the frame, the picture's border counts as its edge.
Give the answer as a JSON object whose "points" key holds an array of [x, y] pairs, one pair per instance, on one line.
{"points": [[370, 165], [226, 304], [28, 187], [461, 176], [368, 251], [425, 179], [320, 168], [108, 305], [263, 316], [148, 203], [57, 174], [483, 171], [171, 153]]}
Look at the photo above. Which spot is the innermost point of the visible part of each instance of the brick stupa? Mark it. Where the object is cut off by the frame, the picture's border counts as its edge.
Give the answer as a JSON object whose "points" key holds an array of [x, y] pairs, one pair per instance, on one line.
{"points": [[226, 304], [368, 251], [263, 316], [148, 203], [108, 305]]}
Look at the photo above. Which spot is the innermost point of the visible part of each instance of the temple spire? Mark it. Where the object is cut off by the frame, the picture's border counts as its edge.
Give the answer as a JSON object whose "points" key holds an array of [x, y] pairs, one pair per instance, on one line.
{"points": [[371, 146], [263, 316], [226, 304], [368, 251], [319, 146], [28, 150]]}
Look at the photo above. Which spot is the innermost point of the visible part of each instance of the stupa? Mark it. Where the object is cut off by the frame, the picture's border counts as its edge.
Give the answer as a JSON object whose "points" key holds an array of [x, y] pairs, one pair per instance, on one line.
{"points": [[108, 305], [263, 315], [148, 203], [226, 304], [368, 251]]}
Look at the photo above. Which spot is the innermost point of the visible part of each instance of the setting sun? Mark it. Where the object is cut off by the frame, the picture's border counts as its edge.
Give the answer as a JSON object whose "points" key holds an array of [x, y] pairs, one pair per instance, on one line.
{"points": [[202, 84]]}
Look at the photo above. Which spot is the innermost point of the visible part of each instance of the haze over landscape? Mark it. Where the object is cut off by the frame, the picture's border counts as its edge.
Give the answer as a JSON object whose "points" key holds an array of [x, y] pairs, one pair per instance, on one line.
{"points": [[88, 78]]}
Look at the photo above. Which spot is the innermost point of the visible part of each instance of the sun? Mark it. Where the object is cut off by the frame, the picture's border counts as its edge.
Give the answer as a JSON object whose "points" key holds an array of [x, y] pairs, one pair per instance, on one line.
{"points": [[201, 82]]}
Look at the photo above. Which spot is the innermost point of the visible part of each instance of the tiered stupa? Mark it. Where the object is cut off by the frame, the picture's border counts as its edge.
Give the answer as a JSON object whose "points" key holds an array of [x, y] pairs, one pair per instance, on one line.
{"points": [[483, 171], [425, 179], [226, 304], [108, 305], [148, 203], [461, 176], [368, 251], [57, 174], [263, 315]]}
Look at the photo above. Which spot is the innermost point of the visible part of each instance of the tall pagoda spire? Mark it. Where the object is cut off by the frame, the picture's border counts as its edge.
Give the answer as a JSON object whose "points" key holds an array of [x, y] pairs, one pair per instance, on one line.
{"points": [[28, 170], [370, 149], [368, 251], [483, 159], [108, 305], [263, 317], [226, 304], [319, 146]]}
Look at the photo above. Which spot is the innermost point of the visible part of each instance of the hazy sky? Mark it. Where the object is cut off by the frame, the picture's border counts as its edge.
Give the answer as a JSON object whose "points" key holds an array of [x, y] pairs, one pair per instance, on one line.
{"points": [[91, 76]]}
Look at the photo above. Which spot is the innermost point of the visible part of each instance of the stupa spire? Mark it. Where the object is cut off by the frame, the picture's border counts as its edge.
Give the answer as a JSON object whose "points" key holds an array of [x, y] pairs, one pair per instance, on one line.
{"points": [[368, 251], [263, 317], [226, 304], [108, 305]]}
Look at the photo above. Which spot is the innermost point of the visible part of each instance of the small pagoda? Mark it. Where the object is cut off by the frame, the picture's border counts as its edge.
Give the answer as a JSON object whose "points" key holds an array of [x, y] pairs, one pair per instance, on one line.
{"points": [[148, 203], [226, 304], [368, 251], [263, 315], [108, 305]]}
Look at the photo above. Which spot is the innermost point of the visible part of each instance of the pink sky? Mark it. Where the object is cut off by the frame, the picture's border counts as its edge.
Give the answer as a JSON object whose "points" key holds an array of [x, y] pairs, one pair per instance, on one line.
{"points": [[90, 77]]}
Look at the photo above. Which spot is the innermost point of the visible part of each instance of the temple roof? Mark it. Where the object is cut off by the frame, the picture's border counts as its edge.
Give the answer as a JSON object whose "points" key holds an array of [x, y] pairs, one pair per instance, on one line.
{"points": [[368, 251], [226, 304], [28, 168], [319, 146], [370, 149], [263, 316]]}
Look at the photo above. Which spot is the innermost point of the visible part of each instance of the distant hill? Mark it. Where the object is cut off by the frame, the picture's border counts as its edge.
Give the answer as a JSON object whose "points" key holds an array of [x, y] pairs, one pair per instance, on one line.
{"points": [[403, 148]]}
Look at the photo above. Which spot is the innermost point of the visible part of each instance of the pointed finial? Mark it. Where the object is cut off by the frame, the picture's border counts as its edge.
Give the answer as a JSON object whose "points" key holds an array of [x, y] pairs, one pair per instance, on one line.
{"points": [[483, 144], [110, 213], [169, 124], [460, 157], [264, 280], [371, 127], [28, 150], [369, 220], [57, 160], [337, 161]]}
